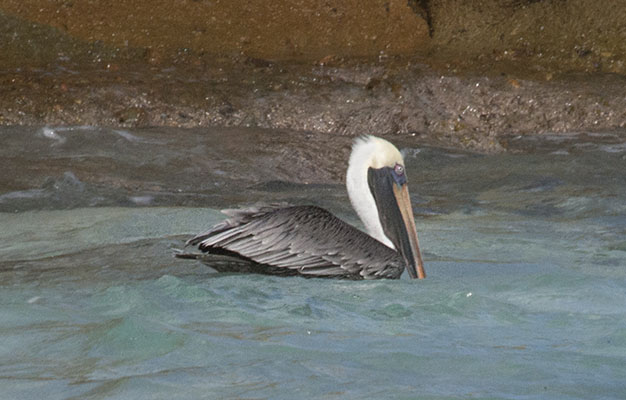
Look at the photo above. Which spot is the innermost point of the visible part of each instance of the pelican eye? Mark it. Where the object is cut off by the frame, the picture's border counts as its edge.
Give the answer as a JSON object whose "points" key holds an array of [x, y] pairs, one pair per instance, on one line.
{"points": [[399, 170]]}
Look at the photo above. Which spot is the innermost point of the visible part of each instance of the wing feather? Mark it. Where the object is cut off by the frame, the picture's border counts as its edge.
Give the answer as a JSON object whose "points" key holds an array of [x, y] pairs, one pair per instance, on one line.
{"points": [[307, 240]]}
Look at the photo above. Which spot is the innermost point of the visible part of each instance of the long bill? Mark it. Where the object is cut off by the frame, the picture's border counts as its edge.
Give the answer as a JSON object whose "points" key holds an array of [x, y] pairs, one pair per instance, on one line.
{"points": [[407, 244], [396, 217]]}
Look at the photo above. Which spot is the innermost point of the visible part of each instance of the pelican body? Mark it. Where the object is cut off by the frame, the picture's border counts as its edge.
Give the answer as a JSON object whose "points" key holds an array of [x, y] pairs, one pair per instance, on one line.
{"points": [[310, 241]]}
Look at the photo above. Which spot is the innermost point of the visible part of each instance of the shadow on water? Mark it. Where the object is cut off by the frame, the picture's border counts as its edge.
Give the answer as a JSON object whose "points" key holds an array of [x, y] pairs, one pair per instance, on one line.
{"points": [[525, 254]]}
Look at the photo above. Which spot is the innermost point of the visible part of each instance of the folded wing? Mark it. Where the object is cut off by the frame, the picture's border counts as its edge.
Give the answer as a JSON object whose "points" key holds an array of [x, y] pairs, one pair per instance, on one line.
{"points": [[299, 240]]}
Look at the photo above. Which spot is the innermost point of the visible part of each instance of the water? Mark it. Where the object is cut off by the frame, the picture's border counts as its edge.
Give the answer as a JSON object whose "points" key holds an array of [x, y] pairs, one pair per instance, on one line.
{"points": [[525, 256]]}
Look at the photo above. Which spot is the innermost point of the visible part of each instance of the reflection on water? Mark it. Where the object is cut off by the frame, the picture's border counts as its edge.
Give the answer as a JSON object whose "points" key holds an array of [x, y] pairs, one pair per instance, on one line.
{"points": [[526, 258]]}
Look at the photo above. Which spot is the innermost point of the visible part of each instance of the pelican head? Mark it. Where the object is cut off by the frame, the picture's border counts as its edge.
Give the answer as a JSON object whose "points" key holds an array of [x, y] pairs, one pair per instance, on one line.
{"points": [[377, 187]]}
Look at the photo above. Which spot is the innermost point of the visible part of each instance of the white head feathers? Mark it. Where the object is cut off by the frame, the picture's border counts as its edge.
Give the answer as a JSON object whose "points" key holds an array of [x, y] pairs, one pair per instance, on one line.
{"points": [[369, 152], [375, 152]]}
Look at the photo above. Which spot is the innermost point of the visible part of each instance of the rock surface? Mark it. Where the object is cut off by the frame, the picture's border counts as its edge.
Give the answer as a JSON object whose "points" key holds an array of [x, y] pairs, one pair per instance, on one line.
{"points": [[447, 72]]}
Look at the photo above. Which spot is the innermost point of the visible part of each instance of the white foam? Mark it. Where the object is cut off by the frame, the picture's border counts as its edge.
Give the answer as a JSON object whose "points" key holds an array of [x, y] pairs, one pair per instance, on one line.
{"points": [[128, 136], [142, 200], [614, 148], [51, 133]]}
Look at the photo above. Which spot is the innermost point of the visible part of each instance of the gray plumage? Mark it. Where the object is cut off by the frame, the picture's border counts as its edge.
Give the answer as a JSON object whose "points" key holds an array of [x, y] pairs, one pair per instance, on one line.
{"points": [[296, 240]]}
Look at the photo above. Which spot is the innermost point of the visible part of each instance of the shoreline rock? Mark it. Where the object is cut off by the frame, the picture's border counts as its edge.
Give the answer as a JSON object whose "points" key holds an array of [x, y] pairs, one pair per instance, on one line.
{"points": [[447, 72], [470, 112]]}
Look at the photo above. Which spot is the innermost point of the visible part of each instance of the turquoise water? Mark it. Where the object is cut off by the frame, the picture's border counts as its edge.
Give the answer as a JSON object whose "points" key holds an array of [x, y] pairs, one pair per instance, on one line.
{"points": [[525, 297]]}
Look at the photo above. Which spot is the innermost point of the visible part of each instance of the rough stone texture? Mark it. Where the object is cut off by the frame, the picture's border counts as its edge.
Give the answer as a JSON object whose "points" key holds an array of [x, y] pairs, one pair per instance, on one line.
{"points": [[447, 72], [295, 29], [544, 36], [477, 113]]}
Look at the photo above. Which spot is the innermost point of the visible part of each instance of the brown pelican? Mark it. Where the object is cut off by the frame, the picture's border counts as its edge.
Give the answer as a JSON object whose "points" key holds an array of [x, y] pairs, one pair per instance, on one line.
{"points": [[310, 241]]}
